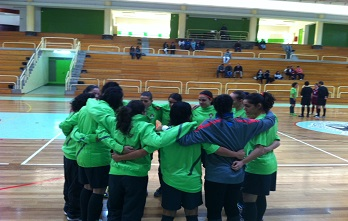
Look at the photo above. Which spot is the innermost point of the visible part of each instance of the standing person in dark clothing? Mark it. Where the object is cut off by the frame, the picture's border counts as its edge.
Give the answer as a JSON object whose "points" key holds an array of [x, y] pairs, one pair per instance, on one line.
{"points": [[323, 94], [306, 94], [315, 98], [173, 47], [238, 47]]}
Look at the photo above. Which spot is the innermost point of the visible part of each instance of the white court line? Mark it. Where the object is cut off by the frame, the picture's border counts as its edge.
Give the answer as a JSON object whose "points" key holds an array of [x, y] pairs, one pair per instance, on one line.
{"points": [[4, 164], [44, 164], [331, 154], [314, 165], [39, 150]]}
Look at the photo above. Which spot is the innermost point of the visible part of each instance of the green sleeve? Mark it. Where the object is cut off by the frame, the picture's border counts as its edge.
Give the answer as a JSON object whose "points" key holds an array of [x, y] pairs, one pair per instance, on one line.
{"points": [[174, 133], [99, 111], [105, 137], [210, 148], [151, 149], [68, 124], [81, 137]]}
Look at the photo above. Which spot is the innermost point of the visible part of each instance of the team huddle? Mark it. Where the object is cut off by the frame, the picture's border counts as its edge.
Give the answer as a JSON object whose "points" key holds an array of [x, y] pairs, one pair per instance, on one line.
{"points": [[109, 143]]}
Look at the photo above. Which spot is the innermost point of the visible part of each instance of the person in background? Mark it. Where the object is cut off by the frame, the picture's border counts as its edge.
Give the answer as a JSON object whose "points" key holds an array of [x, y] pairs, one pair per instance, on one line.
{"points": [[238, 69], [278, 76], [238, 47], [165, 47], [323, 95], [138, 52], [261, 163], [193, 45], [262, 44], [220, 70], [227, 56], [315, 98], [172, 47], [299, 73], [267, 76], [259, 76], [306, 94], [181, 44], [201, 45], [132, 52], [288, 51], [293, 96], [228, 71]]}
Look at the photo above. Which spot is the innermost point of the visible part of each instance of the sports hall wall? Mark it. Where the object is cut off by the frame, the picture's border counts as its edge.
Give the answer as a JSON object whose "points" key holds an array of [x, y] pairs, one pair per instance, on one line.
{"points": [[217, 23], [73, 21], [334, 35]]}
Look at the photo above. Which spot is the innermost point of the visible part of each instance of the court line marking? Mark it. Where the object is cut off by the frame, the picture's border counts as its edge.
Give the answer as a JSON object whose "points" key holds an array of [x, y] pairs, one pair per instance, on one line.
{"points": [[39, 150], [44, 164], [4, 164], [314, 147], [313, 165], [32, 183]]}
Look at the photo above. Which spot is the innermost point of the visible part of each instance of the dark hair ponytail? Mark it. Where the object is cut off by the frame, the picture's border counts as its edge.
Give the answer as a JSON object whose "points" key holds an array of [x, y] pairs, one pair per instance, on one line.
{"points": [[113, 96], [180, 112], [125, 114], [80, 101], [265, 99]]}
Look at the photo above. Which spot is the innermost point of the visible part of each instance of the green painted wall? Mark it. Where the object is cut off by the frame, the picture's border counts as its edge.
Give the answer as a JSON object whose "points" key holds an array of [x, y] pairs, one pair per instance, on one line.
{"points": [[58, 70], [174, 26], [300, 36], [216, 24], [73, 21], [311, 34], [335, 35]]}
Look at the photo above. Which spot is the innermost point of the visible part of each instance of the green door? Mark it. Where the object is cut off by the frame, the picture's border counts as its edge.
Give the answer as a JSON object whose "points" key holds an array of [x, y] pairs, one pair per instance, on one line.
{"points": [[300, 36], [58, 68]]}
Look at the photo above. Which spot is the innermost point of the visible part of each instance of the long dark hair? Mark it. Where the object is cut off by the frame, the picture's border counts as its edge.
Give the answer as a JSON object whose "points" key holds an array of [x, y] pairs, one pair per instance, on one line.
{"points": [[80, 101], [176, 97], [180, 112], [266, 99], [223, 104], [109, 85], [125, 114], [113, 96], [89, 88]]}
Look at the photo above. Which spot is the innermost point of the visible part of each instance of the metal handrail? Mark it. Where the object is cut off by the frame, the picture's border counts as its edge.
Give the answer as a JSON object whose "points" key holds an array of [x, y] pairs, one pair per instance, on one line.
{"points": [[322, 58], [305, 55], [203, 32], [159, 50], [72, 65], [187, 89], [259, 56], [98, 82], [131, 80], [59, 44], [163, 81], [234, 54], [153, 50], [206, 51], [256, 84], [7, 42], [9, 82], [103, 46]]}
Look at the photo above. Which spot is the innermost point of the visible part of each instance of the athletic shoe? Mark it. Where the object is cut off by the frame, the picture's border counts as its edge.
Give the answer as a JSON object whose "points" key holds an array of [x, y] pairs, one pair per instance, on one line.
{"points": [[307, 115], [158, 192], [106, 195], [300, 115], [293, 114], [317, 116]]}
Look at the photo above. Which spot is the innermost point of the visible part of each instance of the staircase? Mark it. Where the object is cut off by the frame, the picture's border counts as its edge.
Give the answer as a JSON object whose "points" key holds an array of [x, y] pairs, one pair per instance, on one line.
{"points": [[76, 71]]}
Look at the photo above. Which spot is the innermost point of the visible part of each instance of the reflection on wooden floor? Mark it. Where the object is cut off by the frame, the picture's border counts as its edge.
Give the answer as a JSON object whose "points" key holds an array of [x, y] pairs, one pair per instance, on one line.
{"points": [[312, 180]]}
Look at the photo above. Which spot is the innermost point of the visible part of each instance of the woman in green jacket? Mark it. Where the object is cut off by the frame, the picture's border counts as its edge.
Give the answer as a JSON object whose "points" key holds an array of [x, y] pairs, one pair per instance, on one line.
{"points": [[72, 187], [261, 163], [93, 157]]}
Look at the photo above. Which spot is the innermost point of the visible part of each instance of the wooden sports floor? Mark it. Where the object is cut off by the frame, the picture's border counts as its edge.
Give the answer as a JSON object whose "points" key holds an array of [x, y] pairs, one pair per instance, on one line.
{"points": [[312, 180]]}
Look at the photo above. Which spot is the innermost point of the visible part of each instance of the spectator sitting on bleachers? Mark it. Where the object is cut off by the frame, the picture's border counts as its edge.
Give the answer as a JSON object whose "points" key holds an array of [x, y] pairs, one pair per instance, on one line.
{"points": [[165, 47], [267, 76], [173, 47], [138, 52], [201, 45], [187, 44], [228, 71], [193, 45], [290, 72], [132, 52], [220, 70], [238, 70], [278, 76], [262, 44], [181, 44], [238, 47], [227, 56], [299, 73], [259, 75]]}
